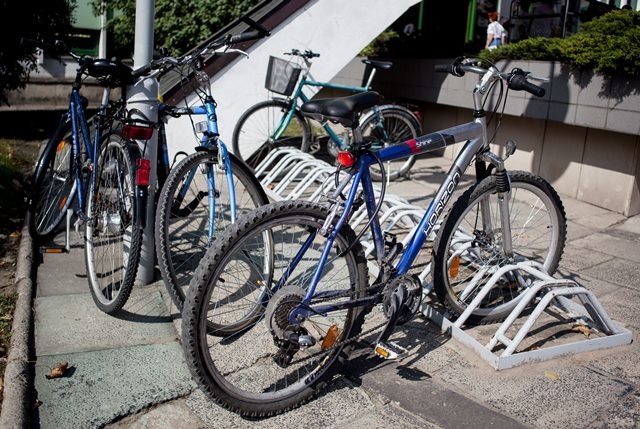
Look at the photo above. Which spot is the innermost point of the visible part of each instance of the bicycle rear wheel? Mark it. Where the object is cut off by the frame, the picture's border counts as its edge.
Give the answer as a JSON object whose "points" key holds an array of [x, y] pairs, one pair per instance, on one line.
{"points": [[113, 240], [388, 126], [253, 136], [54, 183], [239, 344], [183, 229], [468, 248]]}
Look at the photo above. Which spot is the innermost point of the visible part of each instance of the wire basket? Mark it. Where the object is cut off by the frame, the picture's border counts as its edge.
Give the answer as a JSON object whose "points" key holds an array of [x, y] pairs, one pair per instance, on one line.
{"points": [[281, 76]]}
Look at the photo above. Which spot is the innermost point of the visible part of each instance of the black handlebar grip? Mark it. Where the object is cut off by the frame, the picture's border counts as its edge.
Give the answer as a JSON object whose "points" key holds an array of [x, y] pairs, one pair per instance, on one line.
{"points": [[442, 68], [249, 35], [520, 83]]}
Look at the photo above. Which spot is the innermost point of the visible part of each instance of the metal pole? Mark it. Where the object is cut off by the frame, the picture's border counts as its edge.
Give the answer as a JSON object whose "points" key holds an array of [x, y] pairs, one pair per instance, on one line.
{"points": [[102, 45], [143, 97]]}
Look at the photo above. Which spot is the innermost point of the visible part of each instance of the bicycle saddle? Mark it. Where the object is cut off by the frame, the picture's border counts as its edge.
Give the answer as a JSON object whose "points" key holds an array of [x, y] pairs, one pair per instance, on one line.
{"points": [[110, 73], [384, 65], [343, 110]]}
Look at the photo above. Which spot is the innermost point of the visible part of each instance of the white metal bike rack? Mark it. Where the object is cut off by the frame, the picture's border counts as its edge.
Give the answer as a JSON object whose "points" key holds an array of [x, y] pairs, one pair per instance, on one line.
{"points": [[549, 295]]}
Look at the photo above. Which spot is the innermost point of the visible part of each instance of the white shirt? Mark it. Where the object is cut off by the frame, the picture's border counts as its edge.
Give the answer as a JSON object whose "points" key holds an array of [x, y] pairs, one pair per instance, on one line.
{"points": [[496, 29]]}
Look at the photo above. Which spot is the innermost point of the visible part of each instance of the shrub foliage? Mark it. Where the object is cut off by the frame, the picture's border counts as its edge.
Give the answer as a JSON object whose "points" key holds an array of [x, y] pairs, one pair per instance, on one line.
{"points": [[609, 44]]}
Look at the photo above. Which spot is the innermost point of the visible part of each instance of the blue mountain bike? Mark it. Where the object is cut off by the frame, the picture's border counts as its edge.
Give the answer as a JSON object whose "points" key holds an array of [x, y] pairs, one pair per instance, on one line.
{"points": [[208, 189], [278, 302]]}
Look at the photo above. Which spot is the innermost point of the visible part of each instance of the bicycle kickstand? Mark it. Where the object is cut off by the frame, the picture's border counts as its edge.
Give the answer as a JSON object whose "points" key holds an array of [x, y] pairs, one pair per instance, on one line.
{"points": [[67, 239]]}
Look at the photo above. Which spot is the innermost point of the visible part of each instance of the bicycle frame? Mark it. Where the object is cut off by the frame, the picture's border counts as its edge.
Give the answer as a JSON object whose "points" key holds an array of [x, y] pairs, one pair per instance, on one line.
{"points": [[210, 141], [477, 145], [79, 126]]}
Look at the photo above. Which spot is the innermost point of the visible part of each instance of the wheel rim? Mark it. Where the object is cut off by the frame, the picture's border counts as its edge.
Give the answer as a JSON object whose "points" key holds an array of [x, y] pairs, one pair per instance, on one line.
{"points": [[110, 229], [187, 229], [244, 362], [474, 255]]}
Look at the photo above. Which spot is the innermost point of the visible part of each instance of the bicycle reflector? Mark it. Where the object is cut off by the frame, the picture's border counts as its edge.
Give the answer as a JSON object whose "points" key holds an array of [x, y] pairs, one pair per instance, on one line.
{"points": [[143, 168], [136, 132], [346, 159]]}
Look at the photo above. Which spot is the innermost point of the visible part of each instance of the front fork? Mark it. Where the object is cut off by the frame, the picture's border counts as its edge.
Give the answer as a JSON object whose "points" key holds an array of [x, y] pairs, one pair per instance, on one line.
{"points": [[503, 188]]}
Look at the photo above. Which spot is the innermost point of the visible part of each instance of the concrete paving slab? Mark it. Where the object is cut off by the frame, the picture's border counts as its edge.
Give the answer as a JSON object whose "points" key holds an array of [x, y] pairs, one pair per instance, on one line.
{"points": [[614, 246], [618, 271], [173, 414], [62, 274], [433, 401], [72, 323], [574, 259], [631, 224], [339, 407], [622, 305], [107, 384], [575, 231]]}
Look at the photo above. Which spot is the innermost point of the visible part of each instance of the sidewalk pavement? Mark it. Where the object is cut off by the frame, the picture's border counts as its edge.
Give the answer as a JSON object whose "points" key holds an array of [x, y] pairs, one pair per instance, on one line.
{"points": [[128, 371]]}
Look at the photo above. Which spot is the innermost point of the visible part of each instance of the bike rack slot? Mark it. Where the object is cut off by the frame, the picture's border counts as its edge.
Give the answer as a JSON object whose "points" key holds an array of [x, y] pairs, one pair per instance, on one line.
{"points": [[549, 295]]}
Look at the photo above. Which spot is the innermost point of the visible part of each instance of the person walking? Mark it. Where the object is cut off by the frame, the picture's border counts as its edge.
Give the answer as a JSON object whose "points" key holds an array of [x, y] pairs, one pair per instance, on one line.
{"points": [[496, 34]]}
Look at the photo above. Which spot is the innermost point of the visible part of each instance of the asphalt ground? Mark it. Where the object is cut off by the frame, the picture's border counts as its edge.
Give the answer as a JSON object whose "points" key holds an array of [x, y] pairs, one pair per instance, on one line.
{"points": [[128, 371]]}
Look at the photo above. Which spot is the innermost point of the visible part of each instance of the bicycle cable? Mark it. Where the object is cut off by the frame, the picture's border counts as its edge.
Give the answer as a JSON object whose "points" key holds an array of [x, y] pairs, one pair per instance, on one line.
{"points": [[383, 189]]}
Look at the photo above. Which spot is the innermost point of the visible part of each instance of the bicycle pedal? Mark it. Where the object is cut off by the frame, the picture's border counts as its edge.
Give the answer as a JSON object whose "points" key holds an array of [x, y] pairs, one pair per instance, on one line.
{"points": [[389, 351], [53, 249]]}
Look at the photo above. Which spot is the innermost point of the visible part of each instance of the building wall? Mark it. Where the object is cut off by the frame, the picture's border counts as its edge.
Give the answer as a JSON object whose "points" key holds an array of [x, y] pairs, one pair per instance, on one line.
{"points": [[583, 136]]}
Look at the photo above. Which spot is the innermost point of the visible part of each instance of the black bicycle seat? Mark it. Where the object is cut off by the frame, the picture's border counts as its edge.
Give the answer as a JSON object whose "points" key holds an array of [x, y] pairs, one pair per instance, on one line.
{"points": [[110, 73], [384, 65], [343, 110]]}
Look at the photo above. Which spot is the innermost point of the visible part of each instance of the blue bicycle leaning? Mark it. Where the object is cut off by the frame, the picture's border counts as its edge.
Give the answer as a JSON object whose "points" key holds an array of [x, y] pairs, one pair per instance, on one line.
{"points": [[208, 189], [95, 161], [278, 302], [279, 122]]}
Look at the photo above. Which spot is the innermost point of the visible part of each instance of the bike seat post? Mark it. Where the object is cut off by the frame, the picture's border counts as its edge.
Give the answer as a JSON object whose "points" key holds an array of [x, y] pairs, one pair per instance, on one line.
{"points": [[370, 79]]}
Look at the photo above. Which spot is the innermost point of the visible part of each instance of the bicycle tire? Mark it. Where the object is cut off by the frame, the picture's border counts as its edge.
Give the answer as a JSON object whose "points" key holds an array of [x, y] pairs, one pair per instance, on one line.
{"points": [[227, 369], [399, 125], [252, 136], [181, 235], [475, 249], [54, 184], [113, 240]]}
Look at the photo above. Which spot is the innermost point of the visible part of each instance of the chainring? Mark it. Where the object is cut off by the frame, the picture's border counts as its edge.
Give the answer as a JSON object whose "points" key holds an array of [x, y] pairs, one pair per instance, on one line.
{"points": [[411, 305]]}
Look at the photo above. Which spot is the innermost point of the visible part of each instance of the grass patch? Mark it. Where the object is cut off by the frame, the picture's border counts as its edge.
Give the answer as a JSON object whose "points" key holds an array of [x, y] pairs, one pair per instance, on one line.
{"points": [[7, 306]]}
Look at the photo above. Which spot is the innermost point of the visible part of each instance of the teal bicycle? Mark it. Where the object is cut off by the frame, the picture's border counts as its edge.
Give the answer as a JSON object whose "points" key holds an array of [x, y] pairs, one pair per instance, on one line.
{"points": [[278, 122]]}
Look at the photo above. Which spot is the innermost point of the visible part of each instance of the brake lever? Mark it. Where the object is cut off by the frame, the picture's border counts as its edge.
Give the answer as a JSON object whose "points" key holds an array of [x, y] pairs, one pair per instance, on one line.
{"points": [[538, 78], [233, 50]]}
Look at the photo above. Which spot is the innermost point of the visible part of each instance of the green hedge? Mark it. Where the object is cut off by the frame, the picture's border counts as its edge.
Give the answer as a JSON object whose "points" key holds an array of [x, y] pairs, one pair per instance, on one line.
{"points": [[609, 44]]}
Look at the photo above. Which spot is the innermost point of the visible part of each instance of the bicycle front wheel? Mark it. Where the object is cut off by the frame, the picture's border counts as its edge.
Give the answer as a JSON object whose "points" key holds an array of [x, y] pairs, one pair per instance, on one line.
{"points": [[54, 184], [194, 207], [387, 126], [255, 133], [239, 343], [113, 240], [469, 246]]}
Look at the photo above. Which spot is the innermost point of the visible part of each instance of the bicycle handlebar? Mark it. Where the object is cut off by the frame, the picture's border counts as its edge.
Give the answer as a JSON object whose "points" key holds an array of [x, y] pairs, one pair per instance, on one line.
{"points": [[516, 79], [308, 53]]}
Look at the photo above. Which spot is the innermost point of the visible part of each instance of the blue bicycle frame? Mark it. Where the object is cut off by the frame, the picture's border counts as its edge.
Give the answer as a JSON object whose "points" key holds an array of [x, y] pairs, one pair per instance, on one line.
{"points": [[210, 140], [79, 126], [472, 132]]}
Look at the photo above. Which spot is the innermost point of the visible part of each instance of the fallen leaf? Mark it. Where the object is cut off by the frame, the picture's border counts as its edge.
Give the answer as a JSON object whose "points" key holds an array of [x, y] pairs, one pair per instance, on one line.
{"points": [[583, 329], [552, 375], [58, 370], [37, 404]]}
